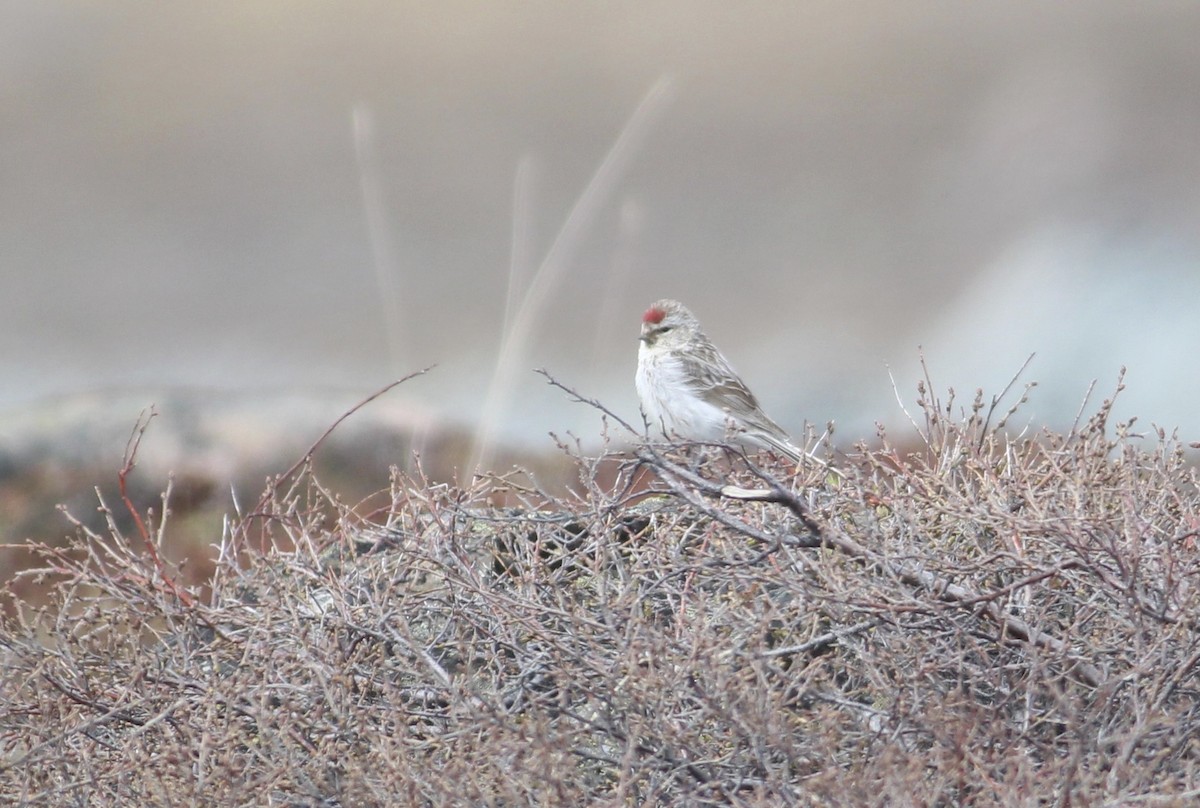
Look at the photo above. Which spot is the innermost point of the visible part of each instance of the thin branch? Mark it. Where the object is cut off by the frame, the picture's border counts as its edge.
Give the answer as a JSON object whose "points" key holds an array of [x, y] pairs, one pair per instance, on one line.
{"points": [[996, 399], [307, 456]]}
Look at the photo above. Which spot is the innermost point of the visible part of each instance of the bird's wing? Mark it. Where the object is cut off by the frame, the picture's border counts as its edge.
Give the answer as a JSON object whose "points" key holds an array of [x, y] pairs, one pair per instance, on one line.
{"points": [[716, 382]]}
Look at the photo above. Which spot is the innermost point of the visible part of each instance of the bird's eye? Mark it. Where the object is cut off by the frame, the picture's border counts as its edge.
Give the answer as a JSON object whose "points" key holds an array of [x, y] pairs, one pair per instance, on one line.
{"points": [[664, 329]]}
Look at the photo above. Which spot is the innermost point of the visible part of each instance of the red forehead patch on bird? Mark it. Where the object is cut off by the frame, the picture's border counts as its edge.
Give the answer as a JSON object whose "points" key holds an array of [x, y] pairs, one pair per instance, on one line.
{"points": [[653, 315]]}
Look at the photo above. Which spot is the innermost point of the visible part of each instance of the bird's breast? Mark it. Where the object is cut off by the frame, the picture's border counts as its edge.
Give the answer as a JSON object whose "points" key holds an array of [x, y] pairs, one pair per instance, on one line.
{"points": [[671, 402]]}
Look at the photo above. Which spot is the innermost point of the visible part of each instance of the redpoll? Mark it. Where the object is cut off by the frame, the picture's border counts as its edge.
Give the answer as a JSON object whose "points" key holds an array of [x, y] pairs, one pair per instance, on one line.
{"points": [[688, 390]]}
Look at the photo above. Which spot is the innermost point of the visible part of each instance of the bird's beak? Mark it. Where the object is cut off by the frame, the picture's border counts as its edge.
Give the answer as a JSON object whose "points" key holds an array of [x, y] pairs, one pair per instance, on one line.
{"points": [[644, 338]]}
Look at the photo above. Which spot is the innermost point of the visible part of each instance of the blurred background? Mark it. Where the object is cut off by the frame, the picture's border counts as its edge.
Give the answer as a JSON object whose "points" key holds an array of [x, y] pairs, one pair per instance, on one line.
{"points": [[255, 213]]}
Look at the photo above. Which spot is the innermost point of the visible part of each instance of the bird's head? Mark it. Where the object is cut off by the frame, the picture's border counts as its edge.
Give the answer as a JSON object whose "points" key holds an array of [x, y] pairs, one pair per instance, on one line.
{"points": [[667, 324]]}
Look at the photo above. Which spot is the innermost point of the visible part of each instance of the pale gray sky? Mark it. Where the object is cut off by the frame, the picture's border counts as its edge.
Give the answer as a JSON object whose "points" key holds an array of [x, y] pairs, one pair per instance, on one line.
{"points": [[184, 201]]}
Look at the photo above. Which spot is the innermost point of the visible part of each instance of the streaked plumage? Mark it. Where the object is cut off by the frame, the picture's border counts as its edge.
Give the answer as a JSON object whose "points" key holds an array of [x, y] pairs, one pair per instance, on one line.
{"points": [[688, 389]]}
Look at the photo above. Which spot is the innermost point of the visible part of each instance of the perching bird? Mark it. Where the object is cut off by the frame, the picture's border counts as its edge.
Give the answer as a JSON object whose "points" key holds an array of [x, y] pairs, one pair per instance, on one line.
{"points": [[688, 390]]}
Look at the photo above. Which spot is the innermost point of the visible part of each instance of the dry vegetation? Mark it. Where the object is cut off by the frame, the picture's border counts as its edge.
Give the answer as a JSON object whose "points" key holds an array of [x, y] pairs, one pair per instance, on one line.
{"points": [[983, 621]]}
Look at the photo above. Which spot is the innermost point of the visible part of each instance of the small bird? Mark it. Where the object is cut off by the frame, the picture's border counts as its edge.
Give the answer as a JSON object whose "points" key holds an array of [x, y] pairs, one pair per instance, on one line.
{"points": [[688, 390]]}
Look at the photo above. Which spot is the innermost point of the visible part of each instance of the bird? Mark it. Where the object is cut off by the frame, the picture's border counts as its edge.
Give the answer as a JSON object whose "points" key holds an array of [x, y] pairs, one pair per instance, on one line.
{"points": [[688, 389]]}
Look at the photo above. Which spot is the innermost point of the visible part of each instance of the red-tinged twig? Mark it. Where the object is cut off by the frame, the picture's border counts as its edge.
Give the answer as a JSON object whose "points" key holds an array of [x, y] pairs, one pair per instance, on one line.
{"points": [[129, 462]]}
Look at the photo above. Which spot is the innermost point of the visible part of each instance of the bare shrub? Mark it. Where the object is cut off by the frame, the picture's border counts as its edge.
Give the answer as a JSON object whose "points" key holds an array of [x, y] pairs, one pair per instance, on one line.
{"points": [[986, 620]]}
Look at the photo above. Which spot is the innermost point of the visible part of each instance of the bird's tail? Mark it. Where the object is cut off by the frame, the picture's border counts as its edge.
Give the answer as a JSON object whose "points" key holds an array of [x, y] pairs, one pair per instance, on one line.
{"points": [[794, 453]]}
